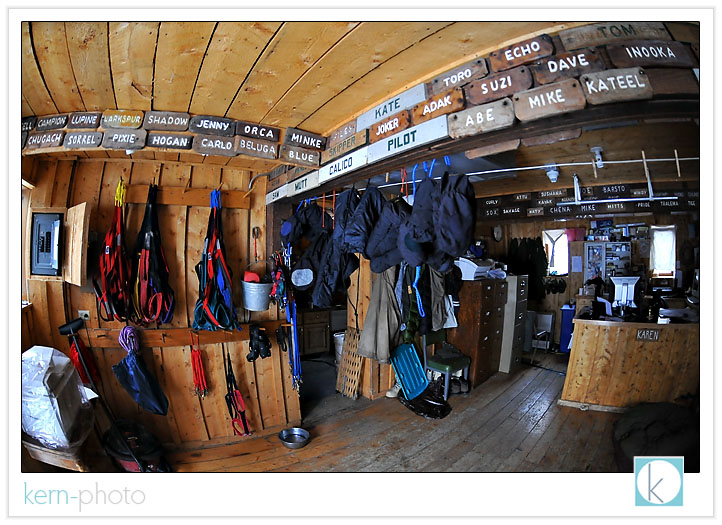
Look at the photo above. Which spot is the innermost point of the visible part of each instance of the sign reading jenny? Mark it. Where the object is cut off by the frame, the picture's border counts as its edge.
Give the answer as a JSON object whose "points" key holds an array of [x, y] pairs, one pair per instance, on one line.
{"points": [[305, 183], [424, 133], [345, 164], [405, 100]]}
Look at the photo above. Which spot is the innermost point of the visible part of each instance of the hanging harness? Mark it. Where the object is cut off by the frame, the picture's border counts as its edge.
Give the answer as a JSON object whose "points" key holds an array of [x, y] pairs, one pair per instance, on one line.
{"points": [[151, 294], [214, 309], [234, 400], [113, 293], [199, 374]]}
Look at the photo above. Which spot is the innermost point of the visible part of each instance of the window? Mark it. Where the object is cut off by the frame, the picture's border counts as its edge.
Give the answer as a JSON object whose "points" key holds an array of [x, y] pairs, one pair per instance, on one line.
{"points": [[662, 254], [556, 244]]}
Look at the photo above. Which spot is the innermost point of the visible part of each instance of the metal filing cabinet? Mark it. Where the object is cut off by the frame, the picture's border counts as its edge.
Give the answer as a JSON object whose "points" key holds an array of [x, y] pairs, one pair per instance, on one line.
{"points": [[515, 312]]}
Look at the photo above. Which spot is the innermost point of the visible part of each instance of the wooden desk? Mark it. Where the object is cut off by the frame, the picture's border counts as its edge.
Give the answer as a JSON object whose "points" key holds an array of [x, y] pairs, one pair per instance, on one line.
{"points": [[610, 367]]}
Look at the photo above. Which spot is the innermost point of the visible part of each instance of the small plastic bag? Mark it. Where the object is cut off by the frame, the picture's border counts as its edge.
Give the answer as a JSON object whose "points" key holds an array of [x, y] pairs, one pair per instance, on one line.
{"points": [[55, 408]]}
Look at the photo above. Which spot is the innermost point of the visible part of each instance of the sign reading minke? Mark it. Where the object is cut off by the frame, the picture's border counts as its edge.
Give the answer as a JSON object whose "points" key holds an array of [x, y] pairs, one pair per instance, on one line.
{"points": [[166, 121], [551, 99], [45, 139], [83, 139], [482, 119], [304, 139], [84, 120], [257, 131], [169, 140], [209, 125], [256, 148], [124, 138], [615, 85], [122, 118]]}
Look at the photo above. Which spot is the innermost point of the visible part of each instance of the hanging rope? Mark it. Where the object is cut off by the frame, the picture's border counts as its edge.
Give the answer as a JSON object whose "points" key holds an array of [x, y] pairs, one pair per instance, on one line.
{"points": [[413, 179], [199, 374], [418, 294], [432, 167], [323, 208], [120, 191], [128, 339]]}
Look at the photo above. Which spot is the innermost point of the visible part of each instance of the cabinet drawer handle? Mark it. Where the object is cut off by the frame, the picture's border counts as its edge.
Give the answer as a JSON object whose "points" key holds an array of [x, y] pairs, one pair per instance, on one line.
{"points": [[486, 338], [488, 313]]}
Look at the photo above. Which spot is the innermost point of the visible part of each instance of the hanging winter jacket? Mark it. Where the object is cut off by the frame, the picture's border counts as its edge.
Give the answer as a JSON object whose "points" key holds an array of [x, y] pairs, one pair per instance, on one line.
{"points": [[416, 235], [382, 248], [364, 218], [381, 327], [337, 265], [455, 216], [314, 224]]}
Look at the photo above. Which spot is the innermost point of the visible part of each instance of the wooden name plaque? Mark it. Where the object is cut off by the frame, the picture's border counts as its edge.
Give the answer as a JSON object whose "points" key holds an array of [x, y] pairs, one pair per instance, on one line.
{"points": [[122, 118], [83, 139], [390, 125], [498, 86], [28, 123], [157, 139], [258, 131], [548, 100], [566, 65], [441, 104], [345, 146], [166, 121], [654, 53], [300, 156], [482, 119], [84, 120], [124, 138], [52, 122], [615, 85], [341, 133], [458, 76], [521, 53], [610, 32], [253, 147], [209, 125], [44, 139], [304, 139], [214, 145]]}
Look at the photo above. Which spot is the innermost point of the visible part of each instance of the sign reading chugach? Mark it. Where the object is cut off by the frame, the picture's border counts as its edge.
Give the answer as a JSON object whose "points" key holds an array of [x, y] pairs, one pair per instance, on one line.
{"points": [[482, 119], [405, 100], [157, 139], [550, 99], [209, 125], [258, 131], [44, 139], [498, 85], [458, 76], [345, 146], [166, 121]]}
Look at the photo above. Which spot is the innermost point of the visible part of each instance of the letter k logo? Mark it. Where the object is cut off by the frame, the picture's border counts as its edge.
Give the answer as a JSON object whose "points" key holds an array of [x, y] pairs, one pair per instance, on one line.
{"points": [[659, 481]]}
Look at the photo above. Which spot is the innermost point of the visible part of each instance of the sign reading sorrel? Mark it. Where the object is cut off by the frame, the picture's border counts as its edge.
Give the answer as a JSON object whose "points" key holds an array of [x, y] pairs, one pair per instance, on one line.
{"points": [[169, 140], [340, 134], [122, 118], [166, 121], [214, 145], [604, 33], [52, 122], [482, 119], [84, 120], [615, 85], [300, 156], [521, 53], [405, 100], [83, 139], [304, 139], [566, 65], [458, 76], [650, 53], [441, 104], [548, 100], [387, 127], [498, 86], [256, 148], [124, 139], [209, 125], [44, 139], [257, 131], [345, 146]]}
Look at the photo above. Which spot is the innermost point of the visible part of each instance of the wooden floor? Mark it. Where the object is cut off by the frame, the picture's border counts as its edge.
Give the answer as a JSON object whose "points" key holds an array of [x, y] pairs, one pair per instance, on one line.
{"points": [[507, 424]]}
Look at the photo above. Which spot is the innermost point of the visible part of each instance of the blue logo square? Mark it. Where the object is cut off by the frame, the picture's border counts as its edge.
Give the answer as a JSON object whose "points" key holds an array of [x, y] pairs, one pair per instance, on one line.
{"points": [[658, 481]]}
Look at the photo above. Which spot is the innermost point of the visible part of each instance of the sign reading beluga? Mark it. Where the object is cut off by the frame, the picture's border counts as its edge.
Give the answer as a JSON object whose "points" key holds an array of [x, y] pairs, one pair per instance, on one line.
{"points": [[424, 133]]}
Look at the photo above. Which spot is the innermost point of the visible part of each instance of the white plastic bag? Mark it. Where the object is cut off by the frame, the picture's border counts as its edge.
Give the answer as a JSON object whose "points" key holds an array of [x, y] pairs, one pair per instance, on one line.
{"points": [[55, 408]]}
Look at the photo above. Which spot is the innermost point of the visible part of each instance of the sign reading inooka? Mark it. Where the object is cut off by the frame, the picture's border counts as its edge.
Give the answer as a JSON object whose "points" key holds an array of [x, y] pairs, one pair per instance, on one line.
{"points": [[209, 125], [458, 76], [166, 121], [521, 53], [83, 139], [84, 120], [214, 145], [566, 65], [549, 99], [615, 85], [124, 139], [45, 139], [169, 140], [498, 86], [441, 104], [122, 118], [52, 122], [304, 139], [482, 119], [650, 53], [257, 131]]}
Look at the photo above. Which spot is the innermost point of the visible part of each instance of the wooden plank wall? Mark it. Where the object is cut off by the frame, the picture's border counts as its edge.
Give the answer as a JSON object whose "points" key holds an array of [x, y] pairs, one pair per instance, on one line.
{"points": [[265, 384]]}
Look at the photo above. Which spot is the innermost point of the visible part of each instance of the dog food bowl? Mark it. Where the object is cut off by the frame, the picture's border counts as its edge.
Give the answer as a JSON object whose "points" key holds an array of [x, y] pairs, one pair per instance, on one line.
{"points": [[294, 437]]}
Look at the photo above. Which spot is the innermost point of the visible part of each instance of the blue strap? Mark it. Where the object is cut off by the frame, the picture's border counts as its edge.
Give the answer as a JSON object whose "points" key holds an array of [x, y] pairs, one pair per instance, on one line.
{"points": [[447, 160], [418, 294], [413, 178], [432, 167]]}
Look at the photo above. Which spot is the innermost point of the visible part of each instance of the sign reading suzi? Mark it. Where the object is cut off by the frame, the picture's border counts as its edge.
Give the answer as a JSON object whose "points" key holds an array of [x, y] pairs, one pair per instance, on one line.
{"points": [[413, 137], [498, 86]]}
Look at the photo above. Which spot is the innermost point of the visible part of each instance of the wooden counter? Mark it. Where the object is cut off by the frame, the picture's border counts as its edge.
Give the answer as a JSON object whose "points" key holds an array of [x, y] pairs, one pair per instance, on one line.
{"points": [[610, 367]]}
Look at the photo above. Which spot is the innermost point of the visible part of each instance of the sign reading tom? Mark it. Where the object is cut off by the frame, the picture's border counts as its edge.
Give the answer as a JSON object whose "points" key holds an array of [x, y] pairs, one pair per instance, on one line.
{"points": [[347, 145], [304, 139], [387, 127], [256, 148], [84, 120], [166, 121], [650, 53], [548, 100], [121, 118], [441, 104], [83, 139], [52, 122], [44, 139], [566, 65], [28, 123], [208, 125], [609, 32], [498, 86], [214, 145], [258, 131], [458, 76], [482, 119], [341, 133], [169, 140], [521, 53], [615, 85], [300, 156], [124, 139], [405, 100]]}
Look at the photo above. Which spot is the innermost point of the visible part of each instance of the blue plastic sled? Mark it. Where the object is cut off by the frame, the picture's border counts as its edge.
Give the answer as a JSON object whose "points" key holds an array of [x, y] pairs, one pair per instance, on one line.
{"points": [[409, 371]]}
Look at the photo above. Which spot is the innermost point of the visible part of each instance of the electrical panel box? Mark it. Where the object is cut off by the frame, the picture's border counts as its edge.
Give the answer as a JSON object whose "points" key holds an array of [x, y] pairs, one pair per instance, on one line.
{"points": [[46, 244]]}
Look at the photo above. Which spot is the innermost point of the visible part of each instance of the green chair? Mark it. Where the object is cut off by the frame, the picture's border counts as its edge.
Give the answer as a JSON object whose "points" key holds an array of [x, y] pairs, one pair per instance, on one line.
{"points": [[447, 360]]}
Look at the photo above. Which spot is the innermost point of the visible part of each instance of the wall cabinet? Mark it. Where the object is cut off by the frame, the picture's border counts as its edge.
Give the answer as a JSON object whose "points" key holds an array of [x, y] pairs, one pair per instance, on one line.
{"points": [[314, 332]]}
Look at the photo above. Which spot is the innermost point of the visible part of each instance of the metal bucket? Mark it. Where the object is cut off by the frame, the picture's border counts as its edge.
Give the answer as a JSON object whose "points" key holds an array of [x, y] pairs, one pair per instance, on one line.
{"points": [[338, 338], [256, 296]]}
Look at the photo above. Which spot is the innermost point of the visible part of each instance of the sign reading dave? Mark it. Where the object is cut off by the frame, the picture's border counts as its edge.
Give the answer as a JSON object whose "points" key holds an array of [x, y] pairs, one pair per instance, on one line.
{"points": [[566, 65], [343, 165], [424, 133], [405, 100]]}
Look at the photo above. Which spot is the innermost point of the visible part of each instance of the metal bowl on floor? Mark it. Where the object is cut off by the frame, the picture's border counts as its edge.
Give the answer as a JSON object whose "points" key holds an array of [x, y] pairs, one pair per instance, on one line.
{"points": [[294, 437]]}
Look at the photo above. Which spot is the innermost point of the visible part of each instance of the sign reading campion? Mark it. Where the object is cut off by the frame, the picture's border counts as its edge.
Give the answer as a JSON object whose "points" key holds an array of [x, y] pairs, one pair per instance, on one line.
{"points": [[441, 104], [482, 119], [615, 85], [551, 99], [52, 122]]}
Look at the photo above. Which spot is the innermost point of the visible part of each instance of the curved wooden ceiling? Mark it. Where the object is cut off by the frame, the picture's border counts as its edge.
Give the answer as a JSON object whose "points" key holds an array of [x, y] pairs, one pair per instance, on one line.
{"points": [[312, 75]]}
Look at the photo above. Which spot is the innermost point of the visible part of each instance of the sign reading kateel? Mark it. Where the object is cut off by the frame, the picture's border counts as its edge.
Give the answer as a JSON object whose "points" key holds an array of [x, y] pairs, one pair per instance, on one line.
{"points": [[52, 122], [300, 156], [610, 32], [458, 76], [521, 53], [214, 145], [405, 100], [654, 53], [550, 99], [28, 123], [566, 65], [343, 165], [44, 139], [84, 120], [166, 121], [258, 131], [304, 139], [340, 134], [441, 104], [408, 139], [83, 139], [121, 118], [345, 146], [158, 139], [208, 125], [498, 86], [482, 119], [256, 148], [615, 85], [390, 126], [124, 139]]}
